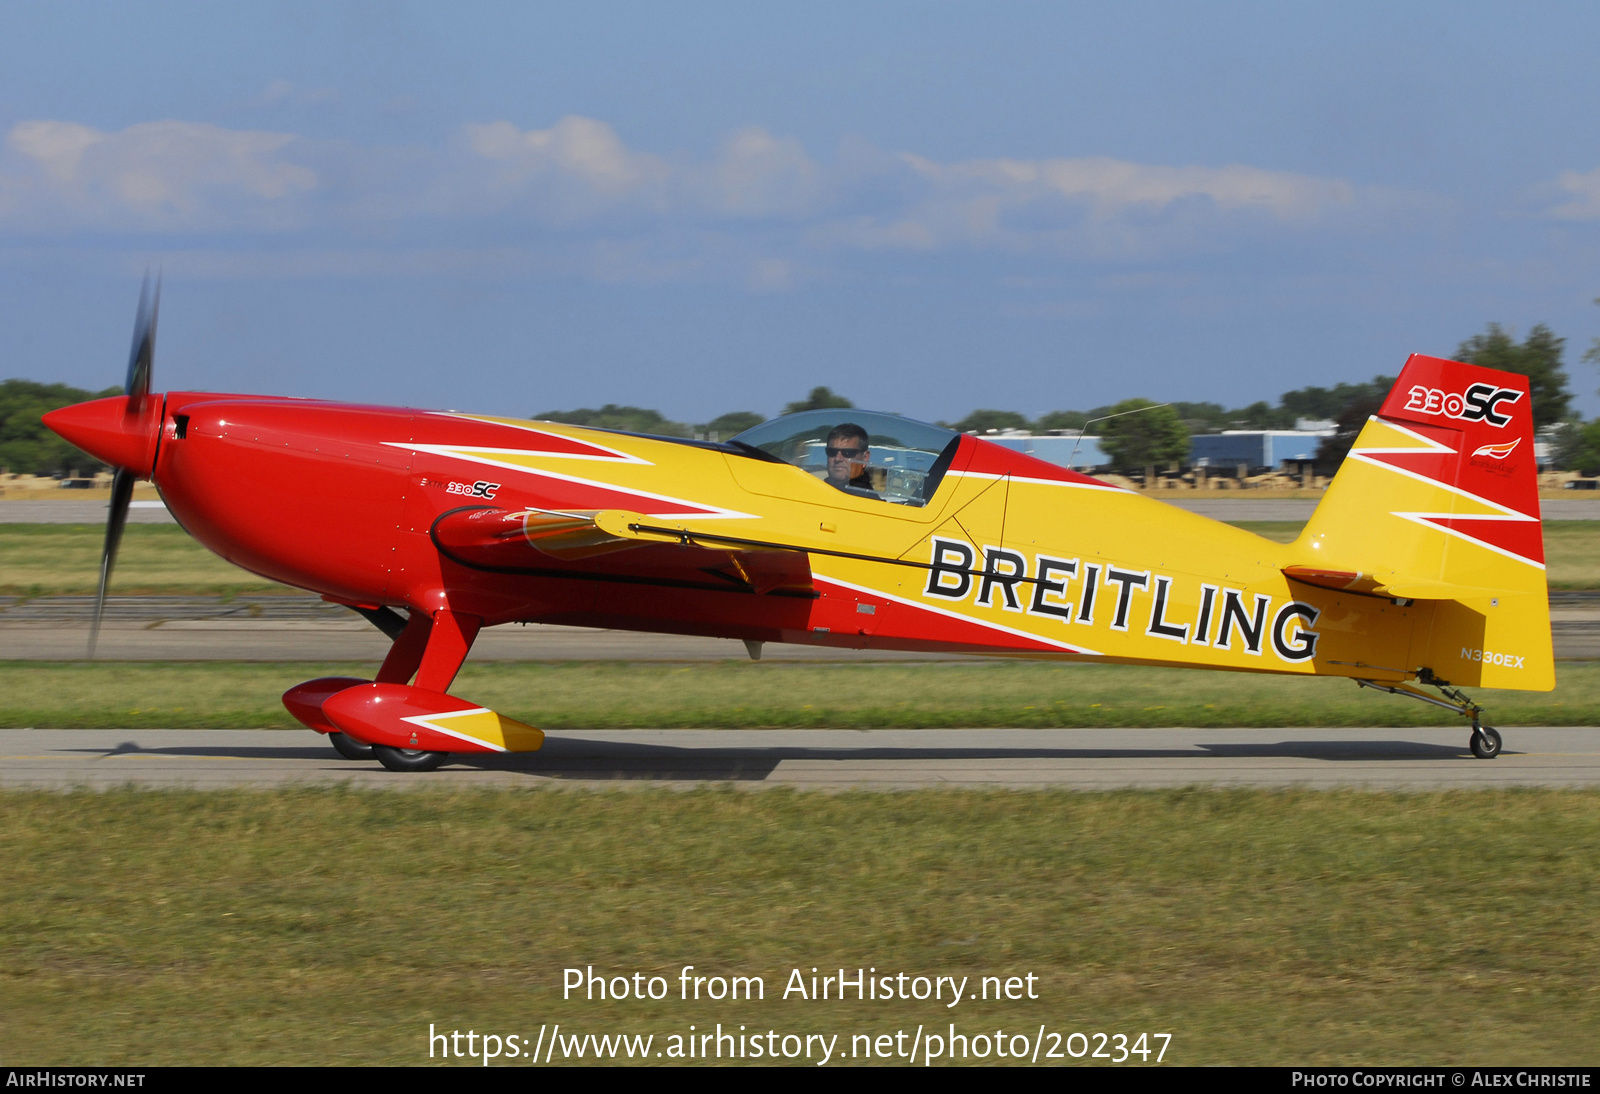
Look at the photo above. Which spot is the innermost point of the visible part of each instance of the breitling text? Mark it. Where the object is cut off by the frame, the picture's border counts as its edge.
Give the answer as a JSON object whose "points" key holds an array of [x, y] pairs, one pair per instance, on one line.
{"points": [[1039, 586]]}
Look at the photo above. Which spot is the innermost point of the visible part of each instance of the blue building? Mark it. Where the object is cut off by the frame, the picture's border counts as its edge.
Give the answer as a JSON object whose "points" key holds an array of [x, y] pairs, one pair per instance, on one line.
{"points": [[1259, 449]]}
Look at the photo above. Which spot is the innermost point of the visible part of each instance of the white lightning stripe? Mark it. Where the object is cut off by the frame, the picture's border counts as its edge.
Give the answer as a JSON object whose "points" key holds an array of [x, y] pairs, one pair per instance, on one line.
{"points": [[1039, 482], [427, 722], [1429, 444], [1503, 513], [701, 510], [616, 453], [1422, 519], [621, 457], [1510, 514], [935, 609]]}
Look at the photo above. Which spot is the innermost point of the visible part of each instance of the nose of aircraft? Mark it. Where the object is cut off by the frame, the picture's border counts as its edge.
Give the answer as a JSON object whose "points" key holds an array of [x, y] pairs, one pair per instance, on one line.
{"points": [[122, 430]]}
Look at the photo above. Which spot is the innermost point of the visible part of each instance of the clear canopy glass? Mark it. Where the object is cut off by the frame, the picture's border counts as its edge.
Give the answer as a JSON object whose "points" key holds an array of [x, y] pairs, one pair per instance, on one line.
{"points": [[903, 459]]}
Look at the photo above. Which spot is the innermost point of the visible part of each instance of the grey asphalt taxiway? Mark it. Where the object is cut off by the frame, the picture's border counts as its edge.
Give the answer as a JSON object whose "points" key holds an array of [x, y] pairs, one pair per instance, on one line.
{"points": [[1084, 759]]}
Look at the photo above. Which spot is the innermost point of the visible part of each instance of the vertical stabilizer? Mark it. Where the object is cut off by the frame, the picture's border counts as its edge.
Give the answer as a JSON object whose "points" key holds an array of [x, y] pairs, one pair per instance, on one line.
{"points": [[1438, 502]]}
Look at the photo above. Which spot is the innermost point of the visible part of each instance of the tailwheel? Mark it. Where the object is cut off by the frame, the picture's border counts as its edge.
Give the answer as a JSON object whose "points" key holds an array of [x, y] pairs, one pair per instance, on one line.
{"points": [[349, 747], [1485, 741], [408, 759]]}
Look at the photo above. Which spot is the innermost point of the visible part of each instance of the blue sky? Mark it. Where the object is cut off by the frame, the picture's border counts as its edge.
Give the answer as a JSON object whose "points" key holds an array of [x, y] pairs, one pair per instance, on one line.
{"points": [[713, 207]]}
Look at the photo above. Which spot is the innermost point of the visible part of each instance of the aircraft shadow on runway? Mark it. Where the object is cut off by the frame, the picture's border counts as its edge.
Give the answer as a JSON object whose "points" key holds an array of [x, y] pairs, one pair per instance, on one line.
{"points": [[588, 760]]}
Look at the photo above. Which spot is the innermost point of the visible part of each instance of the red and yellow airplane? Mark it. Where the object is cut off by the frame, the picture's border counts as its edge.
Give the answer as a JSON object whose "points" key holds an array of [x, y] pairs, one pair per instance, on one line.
{"points": [[1423, 564]]}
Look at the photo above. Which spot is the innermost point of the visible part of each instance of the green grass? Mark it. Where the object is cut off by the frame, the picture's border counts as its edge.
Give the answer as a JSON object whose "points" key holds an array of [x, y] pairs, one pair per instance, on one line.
{"points": [[1256, 927], [742, 694], [1572, 553], [64, 560]]}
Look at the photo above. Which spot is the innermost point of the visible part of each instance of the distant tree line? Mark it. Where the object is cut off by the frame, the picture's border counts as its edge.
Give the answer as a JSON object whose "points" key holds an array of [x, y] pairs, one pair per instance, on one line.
{"points": [[1538, 357], [1316, 403], [1140, 433], [1137, 433], [26, 446], [634, 419], [1578, 443]]}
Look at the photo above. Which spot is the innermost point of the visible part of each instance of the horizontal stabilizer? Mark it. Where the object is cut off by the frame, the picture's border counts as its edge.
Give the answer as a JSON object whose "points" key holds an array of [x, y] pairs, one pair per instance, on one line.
{"points": [[1395, 587]]}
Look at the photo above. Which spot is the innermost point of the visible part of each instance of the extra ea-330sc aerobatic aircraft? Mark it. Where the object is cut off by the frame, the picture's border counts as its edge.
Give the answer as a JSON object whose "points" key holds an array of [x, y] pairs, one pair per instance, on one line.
{"points": [[1421, 566]]}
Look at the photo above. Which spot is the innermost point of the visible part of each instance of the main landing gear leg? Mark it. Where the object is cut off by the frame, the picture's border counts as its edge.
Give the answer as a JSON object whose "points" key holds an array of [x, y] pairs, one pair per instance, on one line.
{"points": [[1485, 742], [405, 656], [432, 648], [448, 643]]}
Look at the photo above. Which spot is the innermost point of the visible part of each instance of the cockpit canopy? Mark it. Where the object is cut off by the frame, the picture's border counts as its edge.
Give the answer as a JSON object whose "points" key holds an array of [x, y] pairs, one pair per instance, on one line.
{"points": [[906, 459]]}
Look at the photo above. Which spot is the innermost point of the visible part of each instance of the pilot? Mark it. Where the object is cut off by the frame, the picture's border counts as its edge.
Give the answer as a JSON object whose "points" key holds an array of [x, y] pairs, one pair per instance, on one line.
{"points": [[848, 454]]}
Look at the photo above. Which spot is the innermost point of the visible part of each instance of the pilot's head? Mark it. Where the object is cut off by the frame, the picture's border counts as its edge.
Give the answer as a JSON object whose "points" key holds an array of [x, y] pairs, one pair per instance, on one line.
{"points": [[847, 453]]}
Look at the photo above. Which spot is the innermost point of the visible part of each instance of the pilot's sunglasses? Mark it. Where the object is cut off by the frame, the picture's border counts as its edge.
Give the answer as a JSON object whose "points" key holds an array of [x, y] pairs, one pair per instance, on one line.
{"points": [[832, 451]]}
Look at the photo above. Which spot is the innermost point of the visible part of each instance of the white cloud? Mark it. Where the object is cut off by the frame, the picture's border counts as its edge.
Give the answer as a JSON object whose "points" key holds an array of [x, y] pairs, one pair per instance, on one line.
{"points": [[1090, 206], [1111, 186], [758, 175], [1585, 191], [577, 168], [581, 170], [760, 210], [57, 147], [164, 176]]}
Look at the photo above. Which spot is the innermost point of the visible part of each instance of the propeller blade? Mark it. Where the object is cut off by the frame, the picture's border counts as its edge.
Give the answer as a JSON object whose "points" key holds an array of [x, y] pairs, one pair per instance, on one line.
{"points": [[140, 358], [144, 339], [121, 495]]}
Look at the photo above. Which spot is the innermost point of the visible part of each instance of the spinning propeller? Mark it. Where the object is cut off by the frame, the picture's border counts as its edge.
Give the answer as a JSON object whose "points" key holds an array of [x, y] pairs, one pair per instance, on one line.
{"points": [[137, 390], [124, 432]]}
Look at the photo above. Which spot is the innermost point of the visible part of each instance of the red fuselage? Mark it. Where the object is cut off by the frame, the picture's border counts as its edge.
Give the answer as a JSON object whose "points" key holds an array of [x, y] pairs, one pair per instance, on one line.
{"points": [[340, 499], [375, 506]]}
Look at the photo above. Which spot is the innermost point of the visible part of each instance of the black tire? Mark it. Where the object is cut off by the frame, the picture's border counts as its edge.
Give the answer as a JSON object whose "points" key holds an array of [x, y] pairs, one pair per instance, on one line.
{"points": [[349, 747], [408, 759], [1486, 742]]}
